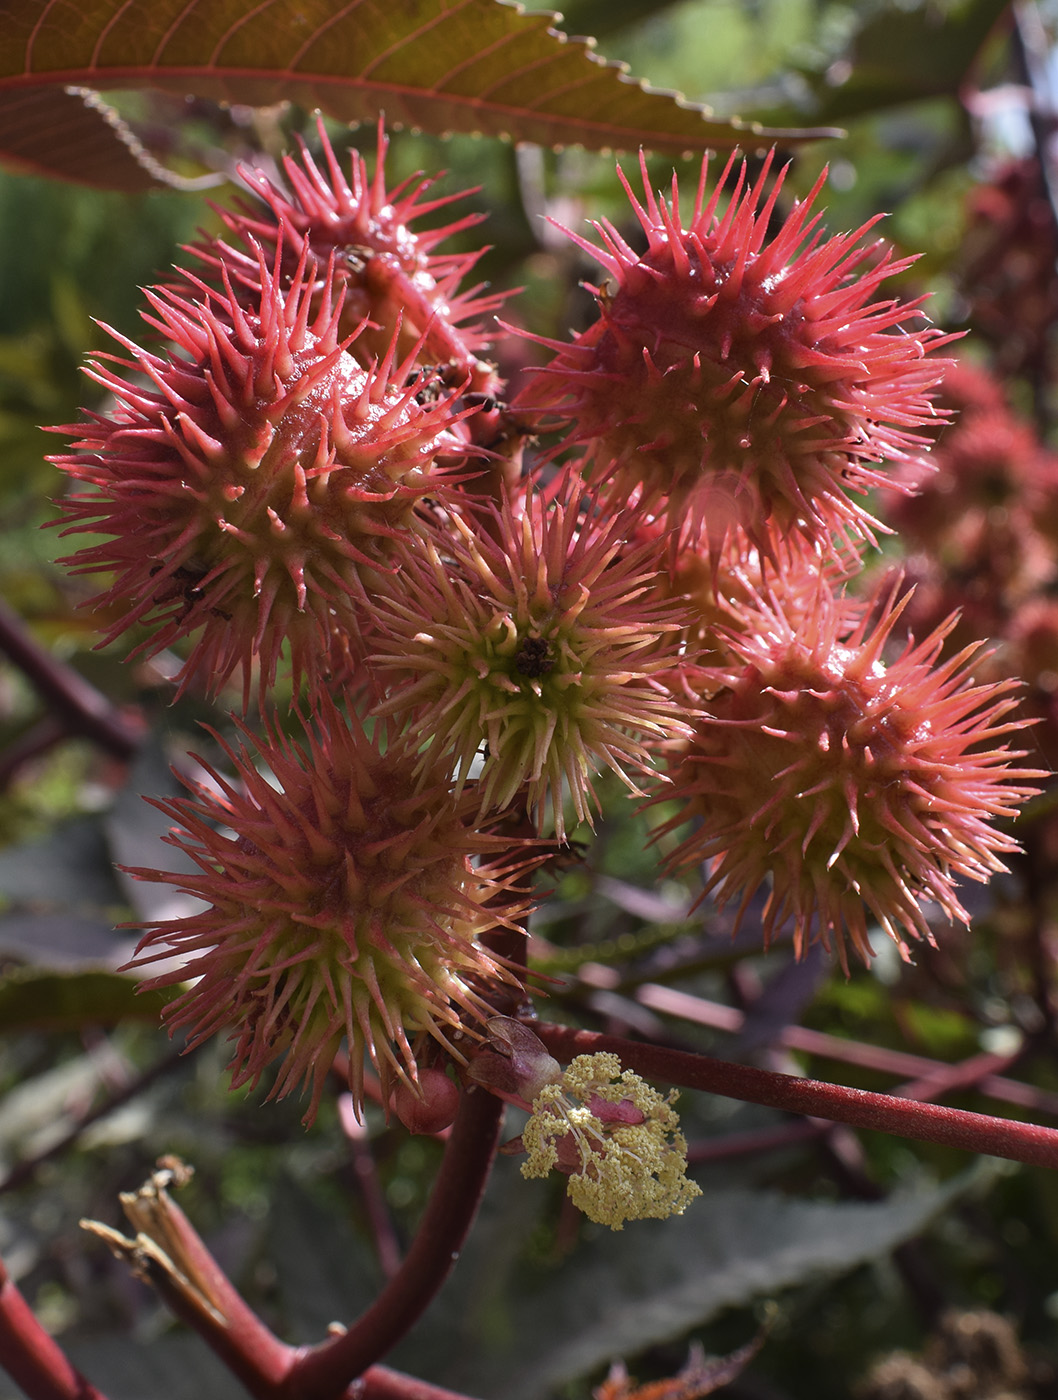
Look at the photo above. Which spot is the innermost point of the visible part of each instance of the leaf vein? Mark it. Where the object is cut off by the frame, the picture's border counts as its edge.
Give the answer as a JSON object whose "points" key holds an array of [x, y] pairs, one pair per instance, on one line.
{"points": [[233, 29], [542, 62], [318, 33], [105, 32], [412, 37], [471, 59], [185, 13], [35, 31]]}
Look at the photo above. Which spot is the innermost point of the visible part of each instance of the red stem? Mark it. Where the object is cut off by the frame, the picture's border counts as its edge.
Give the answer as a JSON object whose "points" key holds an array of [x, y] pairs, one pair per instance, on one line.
{"points": [[227, 1324], [952, 1127], [83, 708], [323, 1371], [33, 1360], [37, 740], [380, 1383], [670, 1002], [387, 1246]]}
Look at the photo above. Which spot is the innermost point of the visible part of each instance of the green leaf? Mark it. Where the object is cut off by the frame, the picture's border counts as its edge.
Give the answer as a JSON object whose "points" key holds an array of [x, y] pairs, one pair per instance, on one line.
{"points": [[31, 999], [71, 134], [70, 868], [900, 56], [651, 1282], [175, 1366], [481, 66]]}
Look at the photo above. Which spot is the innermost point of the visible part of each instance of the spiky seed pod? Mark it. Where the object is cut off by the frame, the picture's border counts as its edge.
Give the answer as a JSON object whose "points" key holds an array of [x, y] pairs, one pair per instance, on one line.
{"points": [[855, 788], [739, 379], [254, 481], [533, 643], [719, 586], [346, 897], [390, 272]]}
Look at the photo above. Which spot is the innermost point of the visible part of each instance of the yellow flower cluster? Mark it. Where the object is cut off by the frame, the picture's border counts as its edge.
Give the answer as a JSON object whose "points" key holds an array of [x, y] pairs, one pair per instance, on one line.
{"points": [[621, 1144]]}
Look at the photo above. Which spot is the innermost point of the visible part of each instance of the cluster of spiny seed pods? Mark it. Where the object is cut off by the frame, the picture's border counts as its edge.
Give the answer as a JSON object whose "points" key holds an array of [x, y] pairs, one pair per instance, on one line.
{"points": [[311, 483]]}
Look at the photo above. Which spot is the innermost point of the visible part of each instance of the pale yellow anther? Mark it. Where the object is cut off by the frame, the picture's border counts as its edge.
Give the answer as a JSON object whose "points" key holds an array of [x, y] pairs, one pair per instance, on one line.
{"points": [[628, 1171]]}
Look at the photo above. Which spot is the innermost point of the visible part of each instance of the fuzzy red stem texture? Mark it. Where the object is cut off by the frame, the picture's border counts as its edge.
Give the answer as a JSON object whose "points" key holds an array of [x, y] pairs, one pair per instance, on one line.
{"points": [[951, 1127]]}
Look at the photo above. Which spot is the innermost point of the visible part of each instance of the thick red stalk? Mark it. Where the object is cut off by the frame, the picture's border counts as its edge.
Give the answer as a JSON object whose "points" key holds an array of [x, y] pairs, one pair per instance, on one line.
{"points": [[320, 1372], [952, 1127], [171, 1254], [35, 1362]]}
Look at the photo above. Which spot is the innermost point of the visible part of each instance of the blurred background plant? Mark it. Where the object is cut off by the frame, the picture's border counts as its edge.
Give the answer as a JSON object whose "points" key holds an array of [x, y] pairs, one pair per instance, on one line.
{"points": [[870, 1244]]}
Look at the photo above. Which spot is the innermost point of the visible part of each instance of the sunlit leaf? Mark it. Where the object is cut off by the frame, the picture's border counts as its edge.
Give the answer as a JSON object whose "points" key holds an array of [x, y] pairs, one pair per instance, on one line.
{"points": [[445, 65], [71, 134]]}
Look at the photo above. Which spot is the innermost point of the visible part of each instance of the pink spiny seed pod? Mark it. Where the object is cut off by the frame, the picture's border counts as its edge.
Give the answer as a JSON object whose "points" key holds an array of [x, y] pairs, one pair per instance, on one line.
{"points": [[535, 636], [719, 585], [346, 897], [855, 788], [741, 380], [390, 272], [255, 480]]}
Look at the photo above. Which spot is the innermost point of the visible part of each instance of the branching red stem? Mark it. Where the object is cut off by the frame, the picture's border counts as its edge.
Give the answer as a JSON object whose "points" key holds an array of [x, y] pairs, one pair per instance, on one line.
{"points": [[952, 1127], [321, 1372], [201, 1294]]}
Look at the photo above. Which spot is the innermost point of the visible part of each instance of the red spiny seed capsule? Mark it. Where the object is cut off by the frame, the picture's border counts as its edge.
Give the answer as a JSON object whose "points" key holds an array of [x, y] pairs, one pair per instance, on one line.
{"points": [[719, 586], [534, 643], [855, 788], [251, 480], [391, 273], [346, 897], [741, 378]]}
